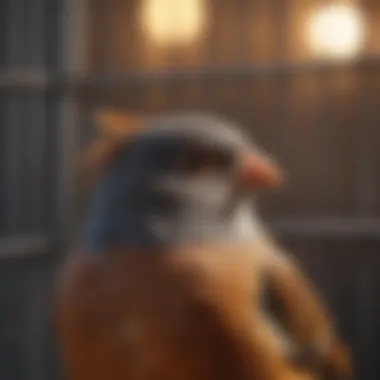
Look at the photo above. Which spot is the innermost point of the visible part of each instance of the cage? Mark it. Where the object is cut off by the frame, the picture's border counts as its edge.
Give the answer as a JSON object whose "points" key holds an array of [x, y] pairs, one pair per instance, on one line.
{"points": [[251, 60]]}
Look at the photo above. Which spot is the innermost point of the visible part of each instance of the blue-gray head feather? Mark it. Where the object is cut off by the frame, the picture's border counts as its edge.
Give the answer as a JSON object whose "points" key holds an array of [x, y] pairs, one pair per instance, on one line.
{"points": [[145, 199]]}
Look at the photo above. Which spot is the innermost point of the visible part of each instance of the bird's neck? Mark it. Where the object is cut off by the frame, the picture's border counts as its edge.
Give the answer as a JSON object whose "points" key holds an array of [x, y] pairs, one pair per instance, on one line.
{"points": [[116, 221]]}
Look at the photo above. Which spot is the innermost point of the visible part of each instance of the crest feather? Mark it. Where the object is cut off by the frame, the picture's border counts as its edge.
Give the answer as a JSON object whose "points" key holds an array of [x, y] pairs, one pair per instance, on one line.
{"points": [[115, 132]]}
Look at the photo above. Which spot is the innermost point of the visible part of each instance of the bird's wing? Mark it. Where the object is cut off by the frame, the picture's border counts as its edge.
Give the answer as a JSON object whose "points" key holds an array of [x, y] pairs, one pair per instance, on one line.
{"points": [[300, 310]]}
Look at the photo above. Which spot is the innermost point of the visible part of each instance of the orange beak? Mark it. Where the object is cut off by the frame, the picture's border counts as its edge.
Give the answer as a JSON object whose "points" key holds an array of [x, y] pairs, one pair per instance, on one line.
{"points": [[255, 170]]}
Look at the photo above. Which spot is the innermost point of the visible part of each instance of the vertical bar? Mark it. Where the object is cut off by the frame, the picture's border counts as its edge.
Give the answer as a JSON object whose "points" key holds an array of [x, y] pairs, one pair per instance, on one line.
{"points": [[243, 85], [364, 317], [37, 308], [34, 141], [280, 9], [209, 53], [37, 113], [365, 144], [4, 7], [210, 90], [12, 320], [23, 47], [36, 149], [366, 149], [73, 40], [13, 32], [3, 168], [12, 113], [51, 33], [12, 122], [327, 131], [35, 33], [281, 14]]}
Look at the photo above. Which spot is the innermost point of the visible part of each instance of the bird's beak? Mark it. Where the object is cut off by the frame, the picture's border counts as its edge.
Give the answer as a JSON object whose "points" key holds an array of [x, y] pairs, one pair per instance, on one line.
{"points": [[254, 170]]}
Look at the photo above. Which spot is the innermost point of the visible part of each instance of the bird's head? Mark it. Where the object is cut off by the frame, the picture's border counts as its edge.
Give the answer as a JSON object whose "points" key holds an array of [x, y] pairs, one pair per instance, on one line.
{"points": [[174, 179]]}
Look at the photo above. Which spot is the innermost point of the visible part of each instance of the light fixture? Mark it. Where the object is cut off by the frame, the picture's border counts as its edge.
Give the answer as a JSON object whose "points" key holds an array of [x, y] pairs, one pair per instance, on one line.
{"points": [[173, 22], [336, 31]]}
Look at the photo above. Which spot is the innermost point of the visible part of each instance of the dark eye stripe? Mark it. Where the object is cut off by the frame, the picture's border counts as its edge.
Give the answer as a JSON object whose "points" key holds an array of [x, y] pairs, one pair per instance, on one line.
{"points": [[198, 159]]}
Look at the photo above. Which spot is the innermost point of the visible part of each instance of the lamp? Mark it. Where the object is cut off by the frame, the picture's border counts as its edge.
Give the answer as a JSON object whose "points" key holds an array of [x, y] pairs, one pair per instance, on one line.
{"points": [[173, 22], [336, 31]]}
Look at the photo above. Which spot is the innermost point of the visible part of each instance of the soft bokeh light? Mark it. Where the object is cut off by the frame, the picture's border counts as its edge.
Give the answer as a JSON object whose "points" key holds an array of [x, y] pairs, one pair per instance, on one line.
{"points": [[336, 31], [173, 22]]}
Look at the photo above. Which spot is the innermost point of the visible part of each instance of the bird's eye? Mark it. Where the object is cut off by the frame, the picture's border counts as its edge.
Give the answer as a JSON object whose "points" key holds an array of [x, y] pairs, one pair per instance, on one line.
{"points": [[203, 160]]}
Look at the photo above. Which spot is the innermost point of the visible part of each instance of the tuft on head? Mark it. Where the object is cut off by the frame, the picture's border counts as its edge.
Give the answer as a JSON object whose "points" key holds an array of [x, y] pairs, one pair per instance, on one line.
{"points": [[115, 132]]}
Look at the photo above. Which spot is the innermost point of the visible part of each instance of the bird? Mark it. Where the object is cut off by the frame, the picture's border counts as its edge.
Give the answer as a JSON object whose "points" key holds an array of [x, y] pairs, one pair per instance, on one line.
{"points": [[166, 279]]}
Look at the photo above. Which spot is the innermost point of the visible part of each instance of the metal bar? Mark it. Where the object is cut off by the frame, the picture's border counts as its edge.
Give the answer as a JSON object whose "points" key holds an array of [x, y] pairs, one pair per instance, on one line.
{"points": [[36, 79], [34, 51], [35, 350], [36, 149], [12, 113], [18, 247], [14, 33], [326, 131], [3, 166], [20, 78], [366, 147], [13, 164], [277, 68], [73, 62], [281, 11], [283, 106], [4, 6], [336, 228], [22, 246]]}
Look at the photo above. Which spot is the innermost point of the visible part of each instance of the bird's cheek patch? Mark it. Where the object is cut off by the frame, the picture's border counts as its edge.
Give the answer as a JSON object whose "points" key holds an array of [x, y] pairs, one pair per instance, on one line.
{"points": [[211, 192]]}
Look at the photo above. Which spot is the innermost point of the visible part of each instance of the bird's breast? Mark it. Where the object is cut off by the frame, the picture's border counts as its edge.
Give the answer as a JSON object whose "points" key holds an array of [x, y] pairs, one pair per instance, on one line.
{"points": [[156, 308]]}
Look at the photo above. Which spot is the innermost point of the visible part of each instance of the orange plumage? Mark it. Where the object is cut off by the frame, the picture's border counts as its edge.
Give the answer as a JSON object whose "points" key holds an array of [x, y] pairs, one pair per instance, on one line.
{"points": [[189, 314], [186, 310]]}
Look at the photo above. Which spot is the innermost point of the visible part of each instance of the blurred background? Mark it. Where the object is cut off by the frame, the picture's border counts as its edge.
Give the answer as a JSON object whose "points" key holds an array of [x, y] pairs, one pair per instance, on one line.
{"points": [[303, 76]]}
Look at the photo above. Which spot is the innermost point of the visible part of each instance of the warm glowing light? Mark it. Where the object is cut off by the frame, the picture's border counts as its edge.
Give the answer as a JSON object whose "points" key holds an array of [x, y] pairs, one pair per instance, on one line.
{"points": [[173, 22], [336, 31]]}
